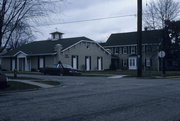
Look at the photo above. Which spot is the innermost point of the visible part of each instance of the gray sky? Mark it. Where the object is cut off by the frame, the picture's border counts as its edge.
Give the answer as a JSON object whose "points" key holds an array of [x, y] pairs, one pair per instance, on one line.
{"points": [[77, 10]]}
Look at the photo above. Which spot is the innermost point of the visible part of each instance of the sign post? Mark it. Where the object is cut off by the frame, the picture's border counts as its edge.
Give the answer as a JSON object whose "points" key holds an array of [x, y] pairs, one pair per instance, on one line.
{"points": [[161, 55]]}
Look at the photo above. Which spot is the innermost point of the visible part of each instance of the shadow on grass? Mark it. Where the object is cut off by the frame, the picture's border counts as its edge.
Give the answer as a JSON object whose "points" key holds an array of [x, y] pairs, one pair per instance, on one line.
{"points": [[54, 83]]}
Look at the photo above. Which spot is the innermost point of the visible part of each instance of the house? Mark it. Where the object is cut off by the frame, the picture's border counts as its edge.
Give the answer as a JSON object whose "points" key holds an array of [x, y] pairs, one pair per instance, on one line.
{"points": [[80, 52], [123, 47]]}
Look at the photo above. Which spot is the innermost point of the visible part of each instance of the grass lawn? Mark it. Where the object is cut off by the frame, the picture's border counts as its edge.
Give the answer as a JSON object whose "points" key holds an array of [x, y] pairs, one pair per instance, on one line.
{"points": [[108, 73], [155, 73], [131, 73], [13, 86], [34, 73], [49, 82], [22, 78]]}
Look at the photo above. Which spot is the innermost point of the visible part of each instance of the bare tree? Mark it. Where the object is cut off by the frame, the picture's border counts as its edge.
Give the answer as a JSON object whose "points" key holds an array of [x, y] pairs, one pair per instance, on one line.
{"points": [[21, 35], [14, 20], [158, 11]]}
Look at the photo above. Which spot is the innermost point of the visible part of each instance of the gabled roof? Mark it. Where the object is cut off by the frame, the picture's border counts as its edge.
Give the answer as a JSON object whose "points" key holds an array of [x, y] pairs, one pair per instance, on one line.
{"points": [[148, 37], [46, 46], [102, 44], [56, 32]]}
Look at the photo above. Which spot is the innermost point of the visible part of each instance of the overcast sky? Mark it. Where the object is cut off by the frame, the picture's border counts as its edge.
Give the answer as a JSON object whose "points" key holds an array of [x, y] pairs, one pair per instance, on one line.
{"points": [[99, 30]]}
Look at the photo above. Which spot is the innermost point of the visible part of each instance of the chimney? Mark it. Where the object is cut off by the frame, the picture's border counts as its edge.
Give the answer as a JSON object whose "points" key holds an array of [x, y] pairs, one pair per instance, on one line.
{"points": [[58, 48], [56, 35]]}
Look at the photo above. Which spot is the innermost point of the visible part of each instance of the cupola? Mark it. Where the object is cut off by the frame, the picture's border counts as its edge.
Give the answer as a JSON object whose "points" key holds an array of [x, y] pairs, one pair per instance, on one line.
{"points": [[56, 35]]}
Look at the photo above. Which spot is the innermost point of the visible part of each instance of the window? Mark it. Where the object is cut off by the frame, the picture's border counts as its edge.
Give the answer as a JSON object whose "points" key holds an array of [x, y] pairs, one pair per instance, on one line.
{"points": [[148, 62], [120, 50], [113, 50], [117, 50], [129, 50], [99, 63], [41, 62], [124, 50], [29, 64], [132, 63], [124, 63], [148, 48], [133, 50], [75, 62], [13, 64], [88, 63], [88, 45]]}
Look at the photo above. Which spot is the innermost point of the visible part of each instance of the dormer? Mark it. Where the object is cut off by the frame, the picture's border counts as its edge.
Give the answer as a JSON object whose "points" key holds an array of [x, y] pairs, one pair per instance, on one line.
{"points": [[56, 35]]}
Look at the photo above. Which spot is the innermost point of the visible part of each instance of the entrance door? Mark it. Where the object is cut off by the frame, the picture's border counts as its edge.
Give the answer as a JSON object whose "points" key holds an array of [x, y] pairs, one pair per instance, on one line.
{"points": [[41, 62], [22, 64], [13, 63], [29, 64], [75, 62], [88, 63], [99, 63], [132, 63]]}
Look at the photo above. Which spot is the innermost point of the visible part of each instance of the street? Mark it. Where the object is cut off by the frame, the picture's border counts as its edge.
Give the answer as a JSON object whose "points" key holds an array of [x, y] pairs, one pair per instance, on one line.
{"points": [[95, 99]]}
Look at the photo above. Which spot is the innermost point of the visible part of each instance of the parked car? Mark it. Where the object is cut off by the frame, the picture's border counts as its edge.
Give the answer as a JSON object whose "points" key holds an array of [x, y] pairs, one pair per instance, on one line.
{"points": [[3, 81], [60, 69]]}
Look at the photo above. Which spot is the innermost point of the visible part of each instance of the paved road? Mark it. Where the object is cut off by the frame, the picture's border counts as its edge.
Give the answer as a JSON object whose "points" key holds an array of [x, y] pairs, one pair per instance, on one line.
{"points": [[95, 99]]}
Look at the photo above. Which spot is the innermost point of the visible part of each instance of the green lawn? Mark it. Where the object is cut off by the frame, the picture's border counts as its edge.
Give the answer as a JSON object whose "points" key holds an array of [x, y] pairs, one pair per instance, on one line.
{"points": [[22, 78], [34, 73], [108, 73], [131, 73], [13, 86]]}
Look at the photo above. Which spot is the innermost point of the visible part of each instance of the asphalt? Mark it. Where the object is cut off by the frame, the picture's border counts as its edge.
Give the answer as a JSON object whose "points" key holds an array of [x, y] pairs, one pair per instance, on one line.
{"points": [[95, 99]]}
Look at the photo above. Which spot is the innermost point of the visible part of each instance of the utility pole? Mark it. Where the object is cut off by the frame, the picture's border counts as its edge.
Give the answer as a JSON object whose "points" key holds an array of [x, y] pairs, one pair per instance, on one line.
{"points": [[164, 45], [139, 38]]}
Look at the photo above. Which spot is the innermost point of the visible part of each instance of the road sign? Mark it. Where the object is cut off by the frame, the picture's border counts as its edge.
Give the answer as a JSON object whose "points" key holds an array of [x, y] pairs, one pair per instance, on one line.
{"points": [[161, 54]]}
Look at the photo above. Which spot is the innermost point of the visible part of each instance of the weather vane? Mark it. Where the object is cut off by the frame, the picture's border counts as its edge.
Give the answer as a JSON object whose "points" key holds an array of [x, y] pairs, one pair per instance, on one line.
{"points": [[56, 29]]}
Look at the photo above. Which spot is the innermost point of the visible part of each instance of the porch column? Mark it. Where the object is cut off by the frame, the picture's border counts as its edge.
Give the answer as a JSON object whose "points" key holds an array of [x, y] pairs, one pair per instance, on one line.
{"points": [[26, 64], [17, 66]]}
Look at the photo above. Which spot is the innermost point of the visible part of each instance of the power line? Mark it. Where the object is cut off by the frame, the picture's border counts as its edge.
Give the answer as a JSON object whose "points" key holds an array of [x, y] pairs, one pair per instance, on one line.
{"points": [[89, 20], [51, 1]]}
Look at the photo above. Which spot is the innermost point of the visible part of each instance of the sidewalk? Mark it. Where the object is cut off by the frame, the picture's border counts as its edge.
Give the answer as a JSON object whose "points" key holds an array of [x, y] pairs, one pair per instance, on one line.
{"points": [[117, 76], [33, 83]]}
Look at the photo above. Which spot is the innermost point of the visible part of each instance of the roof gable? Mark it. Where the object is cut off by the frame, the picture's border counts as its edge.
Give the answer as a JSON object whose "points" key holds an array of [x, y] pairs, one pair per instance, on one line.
{"points": [[148, 37], [45, 47]]}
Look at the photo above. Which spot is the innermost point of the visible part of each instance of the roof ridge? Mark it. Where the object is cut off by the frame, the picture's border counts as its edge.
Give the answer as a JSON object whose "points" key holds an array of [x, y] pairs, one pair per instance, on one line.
{"points": [[47, 46], [151, 36], [61, 39], [136, 32]]}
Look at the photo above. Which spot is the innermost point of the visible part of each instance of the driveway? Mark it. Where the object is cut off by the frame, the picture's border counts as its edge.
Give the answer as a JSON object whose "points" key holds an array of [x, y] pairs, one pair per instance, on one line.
{"points": [[95, 99]]}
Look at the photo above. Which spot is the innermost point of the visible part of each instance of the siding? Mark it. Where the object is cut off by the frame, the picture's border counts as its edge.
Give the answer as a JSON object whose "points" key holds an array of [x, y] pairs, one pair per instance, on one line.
{"points": [[6, 64], [87, 49]]}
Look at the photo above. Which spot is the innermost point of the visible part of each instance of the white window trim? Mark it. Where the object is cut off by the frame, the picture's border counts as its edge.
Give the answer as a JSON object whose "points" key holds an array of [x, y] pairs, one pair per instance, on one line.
{"points": [[133, 49], [148, 62], [41, 62], [132, 63], [125, 52]]}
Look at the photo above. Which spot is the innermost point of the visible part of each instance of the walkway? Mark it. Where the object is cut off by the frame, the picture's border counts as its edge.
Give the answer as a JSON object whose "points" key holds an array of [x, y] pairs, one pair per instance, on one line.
{"points": [[116, 76]]}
